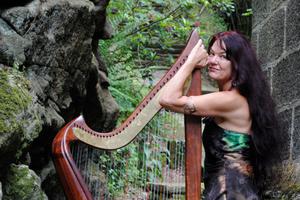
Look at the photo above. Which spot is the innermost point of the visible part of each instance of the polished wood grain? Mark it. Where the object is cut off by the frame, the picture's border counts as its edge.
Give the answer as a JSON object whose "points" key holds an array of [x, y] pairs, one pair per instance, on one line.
{"points": [[72, 181], [193, 146], [69, 175]]}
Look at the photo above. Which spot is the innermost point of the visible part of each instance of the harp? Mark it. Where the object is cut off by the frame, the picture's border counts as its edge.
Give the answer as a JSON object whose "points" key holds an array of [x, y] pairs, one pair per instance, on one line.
{"points": [[73, 176]]}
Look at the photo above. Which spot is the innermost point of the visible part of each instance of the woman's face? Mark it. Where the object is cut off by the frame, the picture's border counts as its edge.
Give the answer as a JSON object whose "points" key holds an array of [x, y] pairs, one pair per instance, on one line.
{"points": [[219, 67]]}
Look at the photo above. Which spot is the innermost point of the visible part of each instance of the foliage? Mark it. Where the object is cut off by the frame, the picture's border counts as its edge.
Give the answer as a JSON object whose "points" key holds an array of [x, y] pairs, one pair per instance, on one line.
{"points": [[143, 160], [247, 13], [122, 163], [141, 28], [225, 6], [144, 28]]}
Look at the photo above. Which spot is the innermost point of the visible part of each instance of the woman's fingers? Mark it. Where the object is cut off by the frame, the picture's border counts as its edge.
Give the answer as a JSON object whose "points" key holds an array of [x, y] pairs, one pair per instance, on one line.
{"points": [[202, 63], [200, 43], [198, 52]]}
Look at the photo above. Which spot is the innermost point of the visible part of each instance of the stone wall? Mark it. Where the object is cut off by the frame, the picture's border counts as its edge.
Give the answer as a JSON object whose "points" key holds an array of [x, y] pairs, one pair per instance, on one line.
{"points": [[50, 72], [276, 37]]}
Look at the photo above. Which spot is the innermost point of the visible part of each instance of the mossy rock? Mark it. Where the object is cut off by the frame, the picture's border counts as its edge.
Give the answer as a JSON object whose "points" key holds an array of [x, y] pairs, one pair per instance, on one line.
{"points": [[22, 184], [14, 99], [19, 122]]}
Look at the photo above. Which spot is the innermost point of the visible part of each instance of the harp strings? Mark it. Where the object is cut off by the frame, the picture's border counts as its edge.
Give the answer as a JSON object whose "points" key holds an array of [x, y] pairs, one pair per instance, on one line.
{"points": [[151, 168]]}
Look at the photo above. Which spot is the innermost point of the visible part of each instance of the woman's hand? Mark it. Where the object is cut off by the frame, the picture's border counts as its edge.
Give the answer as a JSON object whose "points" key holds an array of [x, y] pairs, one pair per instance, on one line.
{"points": [[198, 55], [172, 96]]}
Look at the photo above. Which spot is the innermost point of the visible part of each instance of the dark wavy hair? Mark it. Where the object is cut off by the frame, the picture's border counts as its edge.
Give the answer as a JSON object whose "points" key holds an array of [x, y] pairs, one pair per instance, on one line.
{"points": [[249, 79]]}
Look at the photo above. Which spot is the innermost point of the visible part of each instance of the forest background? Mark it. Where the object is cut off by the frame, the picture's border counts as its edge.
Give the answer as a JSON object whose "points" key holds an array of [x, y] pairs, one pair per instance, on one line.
{"points": [[148, 35]]}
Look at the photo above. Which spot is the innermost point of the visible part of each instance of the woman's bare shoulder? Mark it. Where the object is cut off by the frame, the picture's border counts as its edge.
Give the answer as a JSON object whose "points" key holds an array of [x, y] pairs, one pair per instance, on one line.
{"points": [[220, 103], [238, 117]]}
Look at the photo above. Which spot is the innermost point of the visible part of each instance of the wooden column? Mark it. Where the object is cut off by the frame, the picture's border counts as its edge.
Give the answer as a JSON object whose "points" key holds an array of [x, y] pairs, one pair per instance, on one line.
{"points": [[193, 154]]}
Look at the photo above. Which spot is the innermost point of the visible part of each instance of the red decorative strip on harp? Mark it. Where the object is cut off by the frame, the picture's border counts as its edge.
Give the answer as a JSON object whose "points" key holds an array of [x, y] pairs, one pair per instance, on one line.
{"points": [[76, 131]]}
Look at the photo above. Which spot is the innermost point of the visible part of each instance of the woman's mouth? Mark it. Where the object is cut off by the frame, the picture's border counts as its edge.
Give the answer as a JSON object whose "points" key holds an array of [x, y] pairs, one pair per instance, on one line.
{"points": [[213, 69]]}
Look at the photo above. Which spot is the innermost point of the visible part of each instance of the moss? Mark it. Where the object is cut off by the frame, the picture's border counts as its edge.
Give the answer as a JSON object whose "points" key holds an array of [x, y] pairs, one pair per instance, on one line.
{"points": [[285, 185], [14, 98], [22, 183], [291, 192]]}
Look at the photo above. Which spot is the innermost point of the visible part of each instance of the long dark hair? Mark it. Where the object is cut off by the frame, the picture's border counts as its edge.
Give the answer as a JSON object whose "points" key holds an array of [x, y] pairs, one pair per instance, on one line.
{"points": [[249, 79]]}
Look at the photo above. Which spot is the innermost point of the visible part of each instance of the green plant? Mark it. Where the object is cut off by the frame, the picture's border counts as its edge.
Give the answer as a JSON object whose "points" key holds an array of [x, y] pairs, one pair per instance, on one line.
{"points": [[247, 13], [141, 28], [144, 28]]}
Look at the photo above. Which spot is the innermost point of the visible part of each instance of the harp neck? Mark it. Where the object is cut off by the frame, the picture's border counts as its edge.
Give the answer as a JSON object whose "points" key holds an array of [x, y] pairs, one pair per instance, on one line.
{"points": [[73, 183]]}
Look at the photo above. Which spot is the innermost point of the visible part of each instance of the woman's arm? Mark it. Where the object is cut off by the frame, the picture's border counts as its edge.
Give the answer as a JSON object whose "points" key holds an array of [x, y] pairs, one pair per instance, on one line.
{"points": [[220, 104], [172, 96]]}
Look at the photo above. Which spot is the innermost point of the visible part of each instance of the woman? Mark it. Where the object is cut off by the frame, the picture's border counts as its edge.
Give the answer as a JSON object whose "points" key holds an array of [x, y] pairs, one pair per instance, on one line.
{"points": [[241, 134]]}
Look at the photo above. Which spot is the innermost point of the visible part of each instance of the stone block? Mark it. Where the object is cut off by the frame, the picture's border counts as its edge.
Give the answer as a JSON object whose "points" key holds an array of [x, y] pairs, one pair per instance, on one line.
{"points": [[260, 11], [286, 76], [274, 4], [267, 73], [285, 120], [296, 135], [293, 24], [271, 37], [254, 41]]}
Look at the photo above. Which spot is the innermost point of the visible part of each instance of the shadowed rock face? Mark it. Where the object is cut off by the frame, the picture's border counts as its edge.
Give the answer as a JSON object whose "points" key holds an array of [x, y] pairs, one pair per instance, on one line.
{"points": [[9, 4], [55, 46]]}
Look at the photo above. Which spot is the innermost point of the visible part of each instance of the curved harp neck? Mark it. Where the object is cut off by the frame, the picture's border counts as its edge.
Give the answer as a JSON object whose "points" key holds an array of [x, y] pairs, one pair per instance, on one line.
{"points": [[73, 182], [139, 118]]}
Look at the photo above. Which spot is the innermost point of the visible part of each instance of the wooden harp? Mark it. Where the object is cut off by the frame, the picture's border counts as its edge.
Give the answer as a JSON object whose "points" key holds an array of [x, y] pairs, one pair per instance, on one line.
{"points": [[71, 177]]}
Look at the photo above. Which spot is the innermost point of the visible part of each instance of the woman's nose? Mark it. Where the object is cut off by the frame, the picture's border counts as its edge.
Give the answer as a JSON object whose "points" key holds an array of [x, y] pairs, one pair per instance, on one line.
{"points": [[213, 59]]}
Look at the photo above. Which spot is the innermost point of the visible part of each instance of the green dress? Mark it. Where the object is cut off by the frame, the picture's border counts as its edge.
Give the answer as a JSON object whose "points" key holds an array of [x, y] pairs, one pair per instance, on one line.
{"points": [[228, 169]]}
